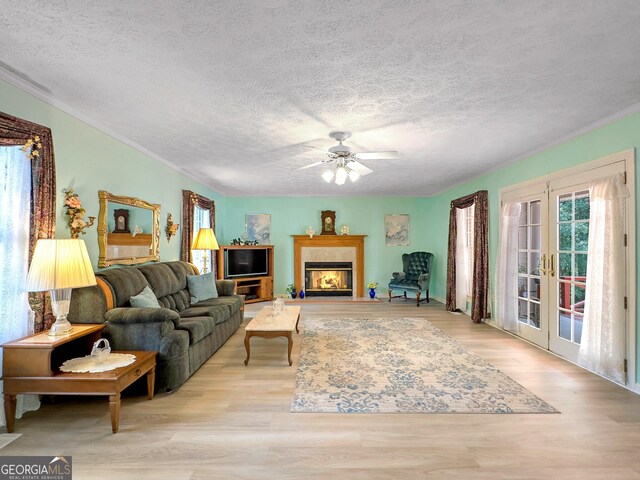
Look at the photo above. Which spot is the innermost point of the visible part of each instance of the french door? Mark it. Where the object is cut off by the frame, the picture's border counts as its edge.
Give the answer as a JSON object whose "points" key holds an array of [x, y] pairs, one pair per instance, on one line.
{"points": [[552, 252]]}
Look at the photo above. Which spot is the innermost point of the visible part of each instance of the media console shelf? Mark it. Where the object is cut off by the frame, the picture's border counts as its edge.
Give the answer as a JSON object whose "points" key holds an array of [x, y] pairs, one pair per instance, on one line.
{"points": [[258, 288]]}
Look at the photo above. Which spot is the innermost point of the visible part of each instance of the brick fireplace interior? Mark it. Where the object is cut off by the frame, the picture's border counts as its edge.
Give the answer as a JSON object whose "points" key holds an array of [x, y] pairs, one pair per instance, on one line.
{"points": [[328, 279]]}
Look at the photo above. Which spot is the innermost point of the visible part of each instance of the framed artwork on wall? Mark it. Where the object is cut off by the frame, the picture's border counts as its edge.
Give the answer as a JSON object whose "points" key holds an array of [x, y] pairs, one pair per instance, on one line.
{"points": [[259, 227], [396, 230]]}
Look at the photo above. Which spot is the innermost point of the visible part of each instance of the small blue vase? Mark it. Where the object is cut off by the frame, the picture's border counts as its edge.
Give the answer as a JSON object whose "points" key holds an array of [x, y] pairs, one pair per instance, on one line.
{"points": [[372, 292], [293, 294], [301, 294]]}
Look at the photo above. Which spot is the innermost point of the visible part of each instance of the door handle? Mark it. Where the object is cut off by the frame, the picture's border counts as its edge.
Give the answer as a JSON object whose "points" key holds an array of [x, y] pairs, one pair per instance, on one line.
{"points": [[544, 264], [552, 269]]}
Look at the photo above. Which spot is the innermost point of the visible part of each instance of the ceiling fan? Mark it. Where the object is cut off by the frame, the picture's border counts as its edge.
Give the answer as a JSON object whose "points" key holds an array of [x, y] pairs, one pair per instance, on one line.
{"points": [[342, 161]]}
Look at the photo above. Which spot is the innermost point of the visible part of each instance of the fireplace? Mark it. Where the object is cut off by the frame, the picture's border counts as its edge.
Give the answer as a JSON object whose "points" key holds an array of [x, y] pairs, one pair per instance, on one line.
{"points": [[328, 279]]}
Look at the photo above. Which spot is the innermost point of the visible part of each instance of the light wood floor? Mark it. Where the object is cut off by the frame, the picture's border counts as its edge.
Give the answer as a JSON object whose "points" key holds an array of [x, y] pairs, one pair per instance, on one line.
{"points": [[233, 422]]}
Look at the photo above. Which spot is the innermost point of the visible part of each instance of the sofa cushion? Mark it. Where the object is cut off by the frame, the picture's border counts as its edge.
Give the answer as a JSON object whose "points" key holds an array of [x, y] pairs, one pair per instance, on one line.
{"points": [[125, 283], [145, 299], [219, 313], [198, 327], [232, 303], [161, 278], [202, 287]]}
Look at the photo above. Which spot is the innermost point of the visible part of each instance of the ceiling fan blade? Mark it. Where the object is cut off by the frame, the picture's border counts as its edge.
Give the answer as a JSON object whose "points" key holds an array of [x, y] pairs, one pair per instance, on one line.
{"points": [[312, 165], [377, 155], [359, 168]]}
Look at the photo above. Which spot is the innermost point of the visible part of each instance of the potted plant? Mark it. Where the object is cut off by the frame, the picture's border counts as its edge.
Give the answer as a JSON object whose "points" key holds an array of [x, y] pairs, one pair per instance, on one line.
{"points": [[372, 289], [291, 289]]}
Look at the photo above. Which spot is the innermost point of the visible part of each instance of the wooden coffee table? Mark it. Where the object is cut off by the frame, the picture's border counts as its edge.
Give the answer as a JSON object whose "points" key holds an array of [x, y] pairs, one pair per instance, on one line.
{"points": [[268, 324]]}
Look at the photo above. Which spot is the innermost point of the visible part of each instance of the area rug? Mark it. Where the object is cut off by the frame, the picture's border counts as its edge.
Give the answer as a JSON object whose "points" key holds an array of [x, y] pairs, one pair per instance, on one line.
{"points": [[399, 365]]}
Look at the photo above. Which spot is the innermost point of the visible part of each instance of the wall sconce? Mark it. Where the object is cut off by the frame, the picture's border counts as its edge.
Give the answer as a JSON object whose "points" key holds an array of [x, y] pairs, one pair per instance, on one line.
{"points": [[171, 228]]}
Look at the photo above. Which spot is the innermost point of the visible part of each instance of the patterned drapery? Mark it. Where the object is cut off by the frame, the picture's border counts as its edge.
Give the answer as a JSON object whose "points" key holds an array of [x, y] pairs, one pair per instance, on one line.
{"points": [[189, 201], [480, 291], [15, 131]]}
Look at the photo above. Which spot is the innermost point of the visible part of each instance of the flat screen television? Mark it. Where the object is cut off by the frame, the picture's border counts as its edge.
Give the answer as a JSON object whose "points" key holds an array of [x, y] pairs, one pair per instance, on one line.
{"points": [[250, 262]]}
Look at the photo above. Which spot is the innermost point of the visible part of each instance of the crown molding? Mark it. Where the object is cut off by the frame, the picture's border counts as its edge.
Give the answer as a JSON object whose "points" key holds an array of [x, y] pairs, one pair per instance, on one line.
{"points": [[46, 97]]}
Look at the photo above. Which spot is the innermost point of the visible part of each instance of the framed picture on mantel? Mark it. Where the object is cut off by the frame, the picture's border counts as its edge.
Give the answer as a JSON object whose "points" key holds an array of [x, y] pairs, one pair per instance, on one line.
{"points": [[396, 230]]}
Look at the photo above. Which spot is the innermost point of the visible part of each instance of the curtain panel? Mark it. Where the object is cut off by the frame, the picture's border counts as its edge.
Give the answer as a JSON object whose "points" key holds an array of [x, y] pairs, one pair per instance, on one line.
{"points": [[189, 202], [480, 291], [15, 131]]}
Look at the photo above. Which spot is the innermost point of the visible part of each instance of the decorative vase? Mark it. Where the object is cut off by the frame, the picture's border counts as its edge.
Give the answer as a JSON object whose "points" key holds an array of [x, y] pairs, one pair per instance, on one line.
{"points": [[301, 294], [372, 292], [294, 294]]}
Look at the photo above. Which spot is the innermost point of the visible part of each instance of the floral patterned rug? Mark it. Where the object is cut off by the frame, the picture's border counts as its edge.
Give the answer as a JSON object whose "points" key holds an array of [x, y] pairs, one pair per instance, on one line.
{"points": [[399, 365]]}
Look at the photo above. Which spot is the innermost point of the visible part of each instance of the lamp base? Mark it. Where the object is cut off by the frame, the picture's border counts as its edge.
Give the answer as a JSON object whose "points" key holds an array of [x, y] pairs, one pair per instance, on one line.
{"points": [[60, 327]]}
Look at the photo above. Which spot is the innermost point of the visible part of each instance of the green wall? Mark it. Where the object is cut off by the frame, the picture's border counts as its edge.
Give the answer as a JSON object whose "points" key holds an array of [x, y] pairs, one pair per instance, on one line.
{"points": [[615, 137], [364, 215], [89, 160]]}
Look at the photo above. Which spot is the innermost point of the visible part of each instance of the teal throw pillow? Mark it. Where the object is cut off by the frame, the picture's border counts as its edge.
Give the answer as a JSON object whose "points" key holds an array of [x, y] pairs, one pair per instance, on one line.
{"points": [[202, 287], [146, 298]]}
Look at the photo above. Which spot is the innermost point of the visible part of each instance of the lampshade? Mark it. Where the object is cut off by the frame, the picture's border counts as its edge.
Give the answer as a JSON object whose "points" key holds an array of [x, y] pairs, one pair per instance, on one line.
{"points": [[58, 264], [205, 240], [328, 176]]}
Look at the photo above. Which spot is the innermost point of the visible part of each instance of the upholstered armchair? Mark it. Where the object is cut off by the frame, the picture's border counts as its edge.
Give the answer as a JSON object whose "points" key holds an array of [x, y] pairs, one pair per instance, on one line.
{"points": [[415, 276]]}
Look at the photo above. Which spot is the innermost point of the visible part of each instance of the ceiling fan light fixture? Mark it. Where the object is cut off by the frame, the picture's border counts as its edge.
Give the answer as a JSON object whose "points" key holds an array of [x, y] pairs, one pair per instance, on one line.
{"points": [[341, 175], [353, 175], [328, 176]]}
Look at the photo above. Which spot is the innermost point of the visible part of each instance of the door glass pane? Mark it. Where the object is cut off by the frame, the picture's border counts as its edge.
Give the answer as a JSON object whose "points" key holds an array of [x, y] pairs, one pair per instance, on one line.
{"points": [[522, 237], [581, 265], [582, 205], [535, 213], [565, 236], [524, 214], [534, 263], [522, 262], [565, 208], [579, 291], [577, 328], [581, 236], [534, 314], [535, 237], [534, 288], [564, 295], [565, 266], [523, 313], [564, 324], [522, 287]]}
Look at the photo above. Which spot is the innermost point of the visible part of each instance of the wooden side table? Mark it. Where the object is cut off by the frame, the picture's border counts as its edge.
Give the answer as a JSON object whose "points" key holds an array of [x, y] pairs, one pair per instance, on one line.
{"points": [[31, 365]]}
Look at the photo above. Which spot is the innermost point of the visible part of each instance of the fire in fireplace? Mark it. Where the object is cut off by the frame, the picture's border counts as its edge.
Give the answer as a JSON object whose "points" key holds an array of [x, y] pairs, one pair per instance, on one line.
{"points": [[328, 279]]}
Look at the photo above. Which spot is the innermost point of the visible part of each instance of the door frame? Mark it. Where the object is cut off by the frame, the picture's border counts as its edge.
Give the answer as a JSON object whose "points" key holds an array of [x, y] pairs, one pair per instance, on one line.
{"points": [[628, 157]]}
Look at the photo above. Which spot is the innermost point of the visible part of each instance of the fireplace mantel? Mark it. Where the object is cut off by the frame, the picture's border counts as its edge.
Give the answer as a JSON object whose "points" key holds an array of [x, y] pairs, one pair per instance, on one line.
{"points": [[301, 242]]}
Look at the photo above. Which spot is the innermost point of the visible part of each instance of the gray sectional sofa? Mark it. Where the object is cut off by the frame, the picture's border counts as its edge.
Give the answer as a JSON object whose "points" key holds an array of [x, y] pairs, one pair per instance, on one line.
{"points": [[184, 335]]}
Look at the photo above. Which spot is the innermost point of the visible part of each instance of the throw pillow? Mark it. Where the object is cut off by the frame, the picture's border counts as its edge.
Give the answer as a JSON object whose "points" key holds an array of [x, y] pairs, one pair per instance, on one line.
{"points": [[146, 298], [202, 287]]}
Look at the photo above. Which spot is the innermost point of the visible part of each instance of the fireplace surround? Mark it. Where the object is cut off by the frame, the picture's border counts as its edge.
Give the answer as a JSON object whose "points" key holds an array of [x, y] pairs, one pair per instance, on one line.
{"points": [[329, 248]]}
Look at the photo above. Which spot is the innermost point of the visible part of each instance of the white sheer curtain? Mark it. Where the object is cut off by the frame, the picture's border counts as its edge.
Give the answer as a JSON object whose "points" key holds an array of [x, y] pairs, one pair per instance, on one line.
{"points": [[15, 192], [464, 256], [602, 348], [507, 268]]}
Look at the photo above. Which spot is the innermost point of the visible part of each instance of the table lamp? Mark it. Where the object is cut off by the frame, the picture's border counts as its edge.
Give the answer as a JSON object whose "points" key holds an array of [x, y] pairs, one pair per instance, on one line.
{"points": [[205, 240], [60, 265]]}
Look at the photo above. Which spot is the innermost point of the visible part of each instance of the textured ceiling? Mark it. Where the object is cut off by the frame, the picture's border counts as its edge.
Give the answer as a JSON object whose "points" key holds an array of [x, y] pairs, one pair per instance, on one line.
{"points": [[228, 91]]}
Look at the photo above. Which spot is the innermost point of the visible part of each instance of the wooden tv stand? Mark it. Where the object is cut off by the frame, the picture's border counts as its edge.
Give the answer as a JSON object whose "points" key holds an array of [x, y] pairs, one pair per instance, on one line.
{"points": [[255, 289]]}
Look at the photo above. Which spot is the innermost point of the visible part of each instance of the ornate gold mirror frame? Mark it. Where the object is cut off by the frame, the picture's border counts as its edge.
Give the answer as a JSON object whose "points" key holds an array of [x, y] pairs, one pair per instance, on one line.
{"points": [[129, 241]]}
